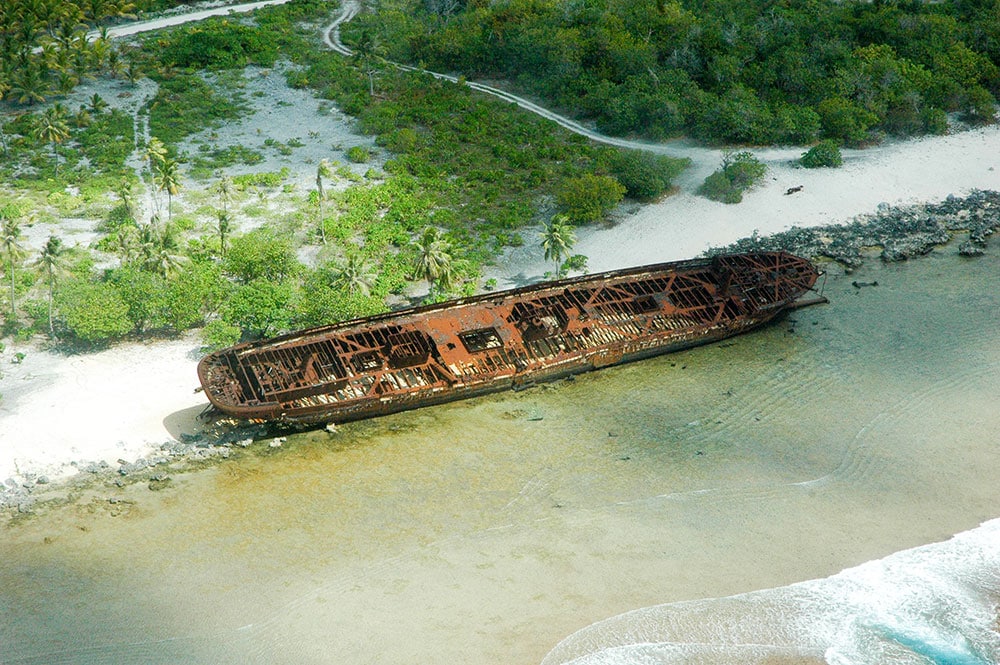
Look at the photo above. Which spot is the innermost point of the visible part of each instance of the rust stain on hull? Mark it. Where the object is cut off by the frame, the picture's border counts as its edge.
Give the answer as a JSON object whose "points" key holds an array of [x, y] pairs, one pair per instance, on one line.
{"points": [[462, 348]]}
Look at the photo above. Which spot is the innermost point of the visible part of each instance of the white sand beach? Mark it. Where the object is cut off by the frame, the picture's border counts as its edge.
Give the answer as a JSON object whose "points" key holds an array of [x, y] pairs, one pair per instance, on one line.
{"points": [[124, 402]]}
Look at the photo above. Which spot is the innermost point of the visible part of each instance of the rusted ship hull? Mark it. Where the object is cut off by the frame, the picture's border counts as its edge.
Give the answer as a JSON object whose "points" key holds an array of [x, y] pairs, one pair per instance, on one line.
{"points": [[505, 340]]}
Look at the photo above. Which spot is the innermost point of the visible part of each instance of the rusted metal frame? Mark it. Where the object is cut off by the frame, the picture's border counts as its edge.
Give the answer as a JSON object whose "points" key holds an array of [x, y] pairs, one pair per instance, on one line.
{"points": [[301, 389], [235, 369], [280, 366]]}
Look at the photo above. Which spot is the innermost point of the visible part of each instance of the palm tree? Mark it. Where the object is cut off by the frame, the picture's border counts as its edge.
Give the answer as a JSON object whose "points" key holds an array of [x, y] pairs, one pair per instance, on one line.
{"points": [[434, 259], [322, 171], [367, 52], [558, 239], [132, 72], [156, 153], [224, 227], [124, 191], [52, 129], [83, 118], [354, 275], [10, 234], [97, 104], [224, 188], [159, 249], [29, 86], [127, 242], [51, 261], [168, 178]]}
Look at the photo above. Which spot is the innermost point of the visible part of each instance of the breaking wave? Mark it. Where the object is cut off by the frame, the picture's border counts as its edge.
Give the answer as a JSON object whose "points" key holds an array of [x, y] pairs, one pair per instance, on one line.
{"points": [[933, 604]]}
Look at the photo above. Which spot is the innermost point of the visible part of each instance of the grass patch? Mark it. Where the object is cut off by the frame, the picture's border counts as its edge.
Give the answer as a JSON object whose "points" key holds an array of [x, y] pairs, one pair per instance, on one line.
{"points": [[186, 104]]}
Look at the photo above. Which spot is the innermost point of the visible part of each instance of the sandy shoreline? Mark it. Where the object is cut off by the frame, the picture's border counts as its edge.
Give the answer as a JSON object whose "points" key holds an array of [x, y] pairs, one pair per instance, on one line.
{"points": [[685, 225], [124, 402]]}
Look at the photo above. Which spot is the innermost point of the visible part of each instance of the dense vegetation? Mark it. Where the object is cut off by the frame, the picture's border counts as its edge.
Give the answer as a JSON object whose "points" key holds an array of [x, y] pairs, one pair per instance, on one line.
{"points": [[466, 174], [44, 50], [743, 72]]}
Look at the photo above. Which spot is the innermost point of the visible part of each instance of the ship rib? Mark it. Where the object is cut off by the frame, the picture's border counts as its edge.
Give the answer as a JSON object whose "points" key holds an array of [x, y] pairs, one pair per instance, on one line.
{"points": [[417, 356]]}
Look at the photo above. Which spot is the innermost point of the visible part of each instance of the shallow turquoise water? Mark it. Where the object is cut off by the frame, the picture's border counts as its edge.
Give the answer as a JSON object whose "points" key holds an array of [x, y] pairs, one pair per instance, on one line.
{"points": [[488, 531]]}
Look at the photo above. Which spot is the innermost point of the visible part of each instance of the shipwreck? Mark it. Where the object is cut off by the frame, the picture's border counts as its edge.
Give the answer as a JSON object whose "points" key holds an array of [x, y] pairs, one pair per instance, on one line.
{"points": [[503, 340]]}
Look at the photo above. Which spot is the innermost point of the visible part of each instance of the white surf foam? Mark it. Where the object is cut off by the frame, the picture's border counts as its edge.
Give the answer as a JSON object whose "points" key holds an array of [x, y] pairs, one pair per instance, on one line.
{"points": [[937, 603]]}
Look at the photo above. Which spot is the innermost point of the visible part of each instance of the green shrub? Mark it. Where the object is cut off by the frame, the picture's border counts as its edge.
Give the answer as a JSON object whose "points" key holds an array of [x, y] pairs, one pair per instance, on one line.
{"points": [[845, 120], [358, 154], [261, 308], [935, 121], [979, 106], [263, 179], [823, 154], [107, 141], [218, 158], [93, 312], [644, 175], [739, 172], [219, 334], [220, 44], [187, 104], [588, 198], [260, 254], [143, 293]]}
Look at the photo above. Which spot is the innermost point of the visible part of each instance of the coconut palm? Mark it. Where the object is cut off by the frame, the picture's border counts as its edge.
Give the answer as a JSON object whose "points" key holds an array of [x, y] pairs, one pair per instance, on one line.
{"points": [[29, 86], [159, 249], [322, 171], [354, 275], [126, 242], [83, 118], [51, 261], [557, 239], [367, 52], [97, 104], [53, 129], [224, 188], [168, 179], [133, 73], [224, 227], [156, 153], [10, 235], [125, 193], [435, 259]]}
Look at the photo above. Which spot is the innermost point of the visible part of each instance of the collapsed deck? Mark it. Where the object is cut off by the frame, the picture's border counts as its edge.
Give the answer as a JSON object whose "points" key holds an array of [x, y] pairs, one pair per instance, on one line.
{"points": [[457, 349]]}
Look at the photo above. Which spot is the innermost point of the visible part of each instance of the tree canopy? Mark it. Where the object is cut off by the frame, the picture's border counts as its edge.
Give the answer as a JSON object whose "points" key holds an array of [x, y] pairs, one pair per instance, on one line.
{"points": [[746, 72]]}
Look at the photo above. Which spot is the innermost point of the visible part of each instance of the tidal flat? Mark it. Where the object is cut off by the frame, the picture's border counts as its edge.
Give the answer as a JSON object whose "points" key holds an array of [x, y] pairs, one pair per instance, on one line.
{"points": [[487, 531]]}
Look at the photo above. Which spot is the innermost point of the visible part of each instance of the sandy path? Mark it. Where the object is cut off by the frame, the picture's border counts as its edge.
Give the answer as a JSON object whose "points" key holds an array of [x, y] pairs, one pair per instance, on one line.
{"points": [[184, 17]]}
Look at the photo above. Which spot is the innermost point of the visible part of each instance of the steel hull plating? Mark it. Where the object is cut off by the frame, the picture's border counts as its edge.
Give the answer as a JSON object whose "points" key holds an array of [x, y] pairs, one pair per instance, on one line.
{"points": [[464, 348]]}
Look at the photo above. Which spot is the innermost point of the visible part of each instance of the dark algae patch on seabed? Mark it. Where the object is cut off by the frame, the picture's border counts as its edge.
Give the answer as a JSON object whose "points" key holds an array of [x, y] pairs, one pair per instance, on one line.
{"points": [[489, 530]]}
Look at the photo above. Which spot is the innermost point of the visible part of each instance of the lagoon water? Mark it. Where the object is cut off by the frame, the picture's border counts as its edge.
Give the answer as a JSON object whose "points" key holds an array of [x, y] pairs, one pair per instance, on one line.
{"points": [[695, 508]]}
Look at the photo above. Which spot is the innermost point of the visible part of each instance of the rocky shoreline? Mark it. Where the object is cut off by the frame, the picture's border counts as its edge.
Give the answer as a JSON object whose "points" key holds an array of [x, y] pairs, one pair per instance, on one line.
{"points": [[218, 441], [900, 232]]}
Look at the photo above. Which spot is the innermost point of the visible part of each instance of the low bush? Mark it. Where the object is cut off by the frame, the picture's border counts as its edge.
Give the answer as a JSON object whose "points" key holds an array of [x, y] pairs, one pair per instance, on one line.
{"points": [[644, 175], [188, 104], [220, 44], [823, 154], [358, 154], [739, 172], [588, 198]]}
